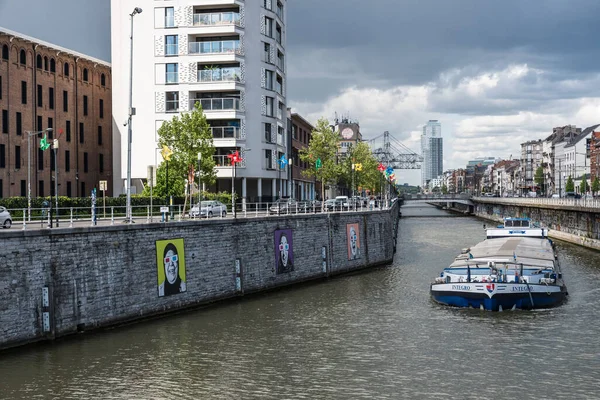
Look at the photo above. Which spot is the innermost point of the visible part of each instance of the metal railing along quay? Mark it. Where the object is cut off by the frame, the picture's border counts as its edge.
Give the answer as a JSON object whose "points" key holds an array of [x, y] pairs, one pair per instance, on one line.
{"points": [[73, 217]]}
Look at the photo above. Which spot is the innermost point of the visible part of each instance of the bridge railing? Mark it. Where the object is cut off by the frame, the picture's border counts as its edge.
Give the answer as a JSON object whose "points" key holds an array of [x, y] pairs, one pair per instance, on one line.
{"points": [[543, 201]]}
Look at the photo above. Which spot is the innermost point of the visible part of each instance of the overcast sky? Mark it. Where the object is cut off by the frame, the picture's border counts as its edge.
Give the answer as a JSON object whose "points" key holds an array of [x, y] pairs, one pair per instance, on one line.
{"points": [[495, 73]]}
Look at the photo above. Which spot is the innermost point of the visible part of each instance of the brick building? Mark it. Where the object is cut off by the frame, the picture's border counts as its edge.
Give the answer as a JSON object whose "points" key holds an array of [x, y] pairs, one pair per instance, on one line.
{"points": [[303, 188], [45, 86]]}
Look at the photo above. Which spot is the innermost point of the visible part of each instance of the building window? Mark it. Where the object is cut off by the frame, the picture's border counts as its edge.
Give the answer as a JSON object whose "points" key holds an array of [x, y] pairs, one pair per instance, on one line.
{"points": [[280, 61], [81, 135], [280, 109], [40, 159], [101, 106], [172, 101], [172, 73], [23, 188], [269, 159], [51, 98], [2, 156], [267, 53], [278, 34], [17, 157], [41, 189], [269, 79], [45, 63], [85, 105], [85, 162], [171, 45], [66, 69], [269, 27], [280, 10], [67, 160], [39, 125], [19, 123], [103, 80], [266, 4], [0, 88], [82, 189], [22, 58], [38, 62], [69, 192], [279, 85], [4, 121], [23, 92], [40, 101], [101, 162], [99, 135], [85, 75], [68, 131], [65, 101], [52, 65], [5, 52], [267, 130], [280, 135], [270, 106], [50, 125], [169, 17]]}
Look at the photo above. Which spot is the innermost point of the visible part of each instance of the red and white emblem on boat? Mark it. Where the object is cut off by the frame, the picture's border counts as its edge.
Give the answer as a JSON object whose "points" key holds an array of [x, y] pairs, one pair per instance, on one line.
{"points": [[490, 287]]}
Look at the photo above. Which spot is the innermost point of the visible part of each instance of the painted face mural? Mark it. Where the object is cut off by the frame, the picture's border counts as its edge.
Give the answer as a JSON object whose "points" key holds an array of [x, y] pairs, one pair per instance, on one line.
{"points": [[353, 237], [284, 253], [170, 265]]}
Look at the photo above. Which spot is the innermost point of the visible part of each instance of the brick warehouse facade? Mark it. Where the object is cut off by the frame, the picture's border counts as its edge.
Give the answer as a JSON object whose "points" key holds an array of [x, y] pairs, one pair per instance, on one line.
{"points": [[45, 86]]}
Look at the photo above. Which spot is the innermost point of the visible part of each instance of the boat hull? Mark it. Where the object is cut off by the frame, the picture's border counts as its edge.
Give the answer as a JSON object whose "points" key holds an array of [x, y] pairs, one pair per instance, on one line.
{"points": [[492, 296]]}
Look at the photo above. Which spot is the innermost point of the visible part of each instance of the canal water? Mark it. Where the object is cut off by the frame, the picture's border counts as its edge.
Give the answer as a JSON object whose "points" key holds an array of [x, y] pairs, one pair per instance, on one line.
{"points": [[373, 335]]}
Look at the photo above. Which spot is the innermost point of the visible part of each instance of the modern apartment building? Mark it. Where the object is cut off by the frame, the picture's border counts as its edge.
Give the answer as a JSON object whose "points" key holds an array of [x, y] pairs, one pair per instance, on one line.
{"points": [[228, 55], [46, 86], [432, 152], [531, 160]]}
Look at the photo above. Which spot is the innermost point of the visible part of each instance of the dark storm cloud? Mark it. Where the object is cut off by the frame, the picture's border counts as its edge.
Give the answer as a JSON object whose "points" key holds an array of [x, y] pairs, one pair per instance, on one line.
{"points": [[410, 42]]}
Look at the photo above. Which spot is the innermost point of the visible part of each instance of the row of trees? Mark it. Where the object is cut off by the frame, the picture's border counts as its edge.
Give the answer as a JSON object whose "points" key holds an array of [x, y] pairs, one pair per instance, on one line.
{"points": [[584, 187], [190, 134]]}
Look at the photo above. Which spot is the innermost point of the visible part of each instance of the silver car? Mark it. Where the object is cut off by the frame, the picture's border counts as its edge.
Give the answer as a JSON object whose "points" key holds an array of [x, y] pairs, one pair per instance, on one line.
{"points": [[5, 218], [209, 209]]}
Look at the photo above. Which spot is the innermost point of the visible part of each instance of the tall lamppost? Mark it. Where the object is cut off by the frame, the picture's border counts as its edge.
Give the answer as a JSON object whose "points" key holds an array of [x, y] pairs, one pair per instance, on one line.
{"points": [[55, 148], [29, 135], [131, 113], [199, 183]]}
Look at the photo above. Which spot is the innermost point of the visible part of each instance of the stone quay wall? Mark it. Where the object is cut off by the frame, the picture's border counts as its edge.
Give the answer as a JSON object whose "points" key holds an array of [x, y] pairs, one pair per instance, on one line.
{"points": [[57, 282]]}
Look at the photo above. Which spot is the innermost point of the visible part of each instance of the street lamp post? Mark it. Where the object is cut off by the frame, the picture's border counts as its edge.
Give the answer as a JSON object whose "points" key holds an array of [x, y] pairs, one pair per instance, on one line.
{"points": [[55, 148], [199, 183], [29, 135], [131, 113]]}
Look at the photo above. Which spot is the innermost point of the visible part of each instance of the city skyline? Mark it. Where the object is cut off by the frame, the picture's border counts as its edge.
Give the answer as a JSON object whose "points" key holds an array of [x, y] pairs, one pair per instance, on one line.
{"points": [[493, 89]]}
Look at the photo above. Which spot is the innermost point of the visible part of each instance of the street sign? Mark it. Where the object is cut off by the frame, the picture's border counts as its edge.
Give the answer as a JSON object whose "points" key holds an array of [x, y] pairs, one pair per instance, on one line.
{"points": [[103, 185], [164, 209]]}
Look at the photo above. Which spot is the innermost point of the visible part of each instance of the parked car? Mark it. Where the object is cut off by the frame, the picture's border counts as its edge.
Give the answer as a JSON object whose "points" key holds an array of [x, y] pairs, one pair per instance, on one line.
{"points": [[209, 209], [572, 195], [5, 218], [284, 206], [337, 204], [344, 200], [308, 206]]}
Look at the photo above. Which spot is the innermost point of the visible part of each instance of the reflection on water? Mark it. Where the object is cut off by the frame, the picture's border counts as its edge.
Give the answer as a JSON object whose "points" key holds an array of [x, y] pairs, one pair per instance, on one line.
{"points": [[374, 335]]}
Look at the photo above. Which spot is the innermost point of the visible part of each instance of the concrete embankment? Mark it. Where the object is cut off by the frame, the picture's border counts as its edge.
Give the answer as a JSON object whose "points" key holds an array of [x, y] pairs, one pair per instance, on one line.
{"points": [[58, 282]]}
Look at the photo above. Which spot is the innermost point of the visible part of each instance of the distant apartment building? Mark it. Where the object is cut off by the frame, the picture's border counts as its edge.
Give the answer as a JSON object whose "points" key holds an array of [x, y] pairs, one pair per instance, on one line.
{"points": [[303, 188], [46, 86], [595, 156], [531, 160], [475, 171], [227, 55], [432, 152], [553, 157]]}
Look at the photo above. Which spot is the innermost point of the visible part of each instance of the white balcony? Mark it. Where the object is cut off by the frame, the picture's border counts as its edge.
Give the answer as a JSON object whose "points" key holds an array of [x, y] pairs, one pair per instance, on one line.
{"points": [[214, 19], [219, 104], [225, 132], [232, 74], [216, 47]]}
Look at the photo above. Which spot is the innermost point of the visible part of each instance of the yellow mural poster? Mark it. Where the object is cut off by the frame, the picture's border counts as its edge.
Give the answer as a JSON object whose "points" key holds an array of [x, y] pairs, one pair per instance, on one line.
{"points": [[170, 266]]}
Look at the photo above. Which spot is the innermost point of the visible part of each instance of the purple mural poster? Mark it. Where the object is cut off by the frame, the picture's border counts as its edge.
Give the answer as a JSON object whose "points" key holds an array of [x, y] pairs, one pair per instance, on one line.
{"points": [[284, 251]]}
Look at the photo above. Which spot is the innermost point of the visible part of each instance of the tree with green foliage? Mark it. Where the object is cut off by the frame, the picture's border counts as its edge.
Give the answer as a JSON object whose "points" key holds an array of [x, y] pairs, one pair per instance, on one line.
{"points": [[321, 155], [596, 185], [583, 186], [361, 156], [444, 189], [570, 186], [539, 177], [186, 136]]}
